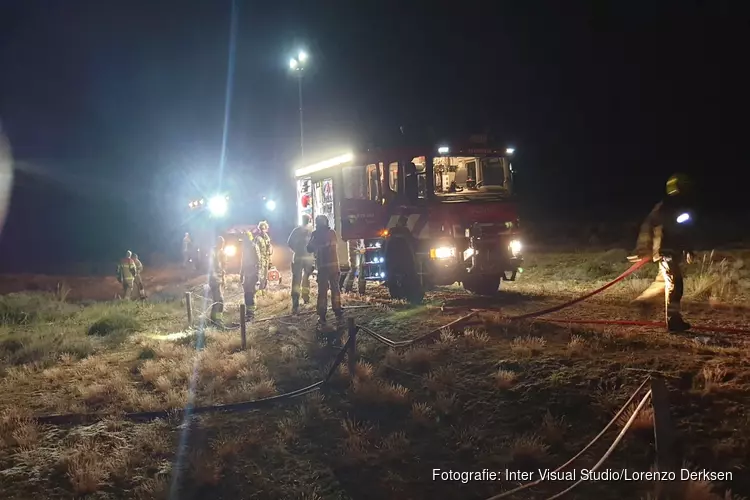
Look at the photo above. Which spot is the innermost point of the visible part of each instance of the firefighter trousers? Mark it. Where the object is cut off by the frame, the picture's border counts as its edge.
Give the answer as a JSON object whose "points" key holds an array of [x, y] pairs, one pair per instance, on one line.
{"points": [[127, 288], [301, 271], [139, 285], [356, 267], [669, 284], [249, 287], [216, 288], [328, 280]]}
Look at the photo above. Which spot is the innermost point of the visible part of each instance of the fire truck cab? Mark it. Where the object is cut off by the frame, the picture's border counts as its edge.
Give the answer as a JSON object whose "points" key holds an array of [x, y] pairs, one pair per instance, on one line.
{"points": [[429, 216]]}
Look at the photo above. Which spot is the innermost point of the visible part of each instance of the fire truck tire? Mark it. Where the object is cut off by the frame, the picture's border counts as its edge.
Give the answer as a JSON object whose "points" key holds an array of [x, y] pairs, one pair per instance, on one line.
{"points": [[401, 271], [483, 285]]}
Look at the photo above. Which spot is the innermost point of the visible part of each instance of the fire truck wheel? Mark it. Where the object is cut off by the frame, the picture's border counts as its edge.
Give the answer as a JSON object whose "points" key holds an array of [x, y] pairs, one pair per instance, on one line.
{"points": [[401, 271], [483, 285]]}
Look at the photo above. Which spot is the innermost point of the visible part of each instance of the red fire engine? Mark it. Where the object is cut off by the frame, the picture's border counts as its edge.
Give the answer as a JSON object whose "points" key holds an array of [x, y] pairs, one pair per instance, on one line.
{"points": [[428, 218]]}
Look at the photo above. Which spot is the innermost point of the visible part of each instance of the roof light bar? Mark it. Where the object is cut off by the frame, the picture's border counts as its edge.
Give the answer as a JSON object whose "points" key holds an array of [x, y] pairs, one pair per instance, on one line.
{"points": [[316, 167]]}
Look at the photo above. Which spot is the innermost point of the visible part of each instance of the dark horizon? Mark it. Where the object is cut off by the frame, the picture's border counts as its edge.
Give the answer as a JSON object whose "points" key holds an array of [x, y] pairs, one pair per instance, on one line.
{"points": [[115, 112]]}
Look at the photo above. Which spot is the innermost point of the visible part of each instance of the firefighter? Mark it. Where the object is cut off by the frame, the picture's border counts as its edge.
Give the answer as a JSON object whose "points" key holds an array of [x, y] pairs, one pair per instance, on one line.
{"points": [[302, 262], [356, 266], [216, 281], [138, 279], [126, 272], [266, 250], [249, 269], [665, 237], [323, 245], [186, 244]]}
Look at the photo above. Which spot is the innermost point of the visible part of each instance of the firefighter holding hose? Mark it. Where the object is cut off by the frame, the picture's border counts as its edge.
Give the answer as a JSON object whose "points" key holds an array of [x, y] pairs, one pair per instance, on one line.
{"points": [[665, 235], [323, 245]]}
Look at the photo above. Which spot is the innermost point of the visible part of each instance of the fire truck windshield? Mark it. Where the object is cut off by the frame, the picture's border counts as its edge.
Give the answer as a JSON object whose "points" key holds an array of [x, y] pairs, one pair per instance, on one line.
{"points": [[472, 176]]}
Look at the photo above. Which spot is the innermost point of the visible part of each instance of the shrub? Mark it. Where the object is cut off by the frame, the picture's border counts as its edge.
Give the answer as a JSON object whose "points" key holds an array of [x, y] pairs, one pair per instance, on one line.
{"points": [[112, 323]]}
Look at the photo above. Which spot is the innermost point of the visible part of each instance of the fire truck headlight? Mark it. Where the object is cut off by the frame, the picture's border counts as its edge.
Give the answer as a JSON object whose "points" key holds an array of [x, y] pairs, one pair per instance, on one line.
{"points": [[683, 218], [442, 252], [515, 247], [230, 250], [218, 206]]}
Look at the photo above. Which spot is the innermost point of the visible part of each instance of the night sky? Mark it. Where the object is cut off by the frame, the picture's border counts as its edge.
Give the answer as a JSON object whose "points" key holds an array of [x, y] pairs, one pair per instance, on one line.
{"points": [[115, 109]]}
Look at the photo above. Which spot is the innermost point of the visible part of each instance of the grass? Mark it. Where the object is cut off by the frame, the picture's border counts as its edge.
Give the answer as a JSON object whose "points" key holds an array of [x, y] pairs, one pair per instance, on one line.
{"points": [[519, 395]]}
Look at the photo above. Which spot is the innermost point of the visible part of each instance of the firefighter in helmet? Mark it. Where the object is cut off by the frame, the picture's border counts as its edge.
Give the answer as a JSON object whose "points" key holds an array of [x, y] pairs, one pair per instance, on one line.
{"points": [[665, 236], [138, 277], [266, 251], [356, 266], [249, 269], [323, 245], [216, 280], [126, 272], [302, 262]]}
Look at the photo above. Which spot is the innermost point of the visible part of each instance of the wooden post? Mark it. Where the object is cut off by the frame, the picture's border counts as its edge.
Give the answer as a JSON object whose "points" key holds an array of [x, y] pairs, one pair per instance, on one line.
{"points": [[667, 453], [189, 308], [243, 326], [352, 354]]}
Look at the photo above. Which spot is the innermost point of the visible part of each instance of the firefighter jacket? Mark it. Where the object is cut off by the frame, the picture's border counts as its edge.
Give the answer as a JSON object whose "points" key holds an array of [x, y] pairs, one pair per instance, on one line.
{"points": [[298, 240], [126, 270], [250, 258], [323, 245], [218, 264], [266, 250], [667, 230]]}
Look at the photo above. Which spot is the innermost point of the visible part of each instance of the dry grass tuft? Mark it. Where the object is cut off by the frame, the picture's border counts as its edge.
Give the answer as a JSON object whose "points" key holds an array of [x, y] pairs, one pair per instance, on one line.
{"points": [[18, 429], [395, 393], [395, 443], [505, 379], [357, 439], [713, 377], [364, 371], [262, 389], [422, 413], [287, 430], [528, 449], [528, 345], [445, 402], [576, 343], [553, 429], [644, 421], [475, 338], [90, 465], [226, 446]]}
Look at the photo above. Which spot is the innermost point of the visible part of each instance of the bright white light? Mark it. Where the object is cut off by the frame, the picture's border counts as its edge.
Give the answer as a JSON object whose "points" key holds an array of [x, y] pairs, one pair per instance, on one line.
{"points": [[382, 275], [302, 56], [442, 252], [510, 151], [271, 205], [218, 206], [683, 218], [515, 247], [230, 250], [468, 252], [293, 64], [315, 167], [443, 150]]}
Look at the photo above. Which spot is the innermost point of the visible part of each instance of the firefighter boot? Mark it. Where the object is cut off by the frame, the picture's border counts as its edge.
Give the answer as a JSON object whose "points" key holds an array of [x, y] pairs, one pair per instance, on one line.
{"points": [[676, 324]]}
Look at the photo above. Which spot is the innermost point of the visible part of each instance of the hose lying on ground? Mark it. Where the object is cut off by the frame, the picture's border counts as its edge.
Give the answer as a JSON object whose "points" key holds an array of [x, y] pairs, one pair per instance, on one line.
{"points": [[81, 418]]}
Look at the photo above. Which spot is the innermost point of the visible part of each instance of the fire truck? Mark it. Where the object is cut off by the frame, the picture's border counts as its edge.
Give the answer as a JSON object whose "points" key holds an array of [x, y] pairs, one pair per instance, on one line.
{"points": [[428, 216]]}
